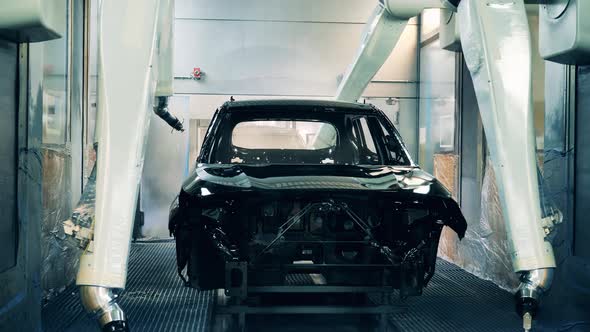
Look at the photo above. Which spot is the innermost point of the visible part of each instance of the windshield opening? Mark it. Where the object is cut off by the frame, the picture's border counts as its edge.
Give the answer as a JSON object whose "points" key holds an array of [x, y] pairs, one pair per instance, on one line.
{"points": [[321, 138], [284, 135], [272, 141]]}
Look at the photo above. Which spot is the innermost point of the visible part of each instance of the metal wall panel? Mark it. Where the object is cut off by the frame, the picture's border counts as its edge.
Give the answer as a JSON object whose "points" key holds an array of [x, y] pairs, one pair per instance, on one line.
{"points": [[20, 294], [8, 162], [282, 48], [437, 104], [355, 11], [558, 153], [279, 58], [472, 157], [275, 58], [582, 187]]}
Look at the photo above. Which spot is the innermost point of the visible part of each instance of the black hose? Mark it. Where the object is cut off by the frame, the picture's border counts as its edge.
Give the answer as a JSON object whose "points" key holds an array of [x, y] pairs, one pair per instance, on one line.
{"points": [[162, 111]]}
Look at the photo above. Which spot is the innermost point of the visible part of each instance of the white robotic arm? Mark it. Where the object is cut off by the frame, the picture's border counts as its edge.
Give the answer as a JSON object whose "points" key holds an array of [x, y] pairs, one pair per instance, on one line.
{"points": [[497, 46], [381, 34], [133, 70]]}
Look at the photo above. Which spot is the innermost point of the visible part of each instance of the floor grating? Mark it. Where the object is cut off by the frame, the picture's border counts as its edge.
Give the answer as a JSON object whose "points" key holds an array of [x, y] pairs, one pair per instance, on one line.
{"points": [[155, 300]]}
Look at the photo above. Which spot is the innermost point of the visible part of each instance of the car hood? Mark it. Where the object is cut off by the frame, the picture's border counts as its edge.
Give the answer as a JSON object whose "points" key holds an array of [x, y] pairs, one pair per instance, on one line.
{"points": [[209, 179]]}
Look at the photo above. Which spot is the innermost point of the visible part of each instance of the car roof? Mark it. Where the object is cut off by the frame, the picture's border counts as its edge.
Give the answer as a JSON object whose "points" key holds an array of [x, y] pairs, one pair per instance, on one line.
{"points": [[307, 104]]}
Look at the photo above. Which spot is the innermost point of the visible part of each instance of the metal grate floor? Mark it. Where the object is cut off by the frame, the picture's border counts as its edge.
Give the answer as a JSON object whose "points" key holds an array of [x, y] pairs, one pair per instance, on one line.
{"points": [[155, 300]]}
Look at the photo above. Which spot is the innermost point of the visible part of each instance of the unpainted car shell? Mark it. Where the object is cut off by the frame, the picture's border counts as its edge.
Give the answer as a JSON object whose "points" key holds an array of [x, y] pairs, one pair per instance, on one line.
{"points": [[216, 201]]}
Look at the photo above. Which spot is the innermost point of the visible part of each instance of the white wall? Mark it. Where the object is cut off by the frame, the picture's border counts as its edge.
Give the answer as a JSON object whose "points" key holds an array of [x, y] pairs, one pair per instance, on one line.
{"points": [[284, 49], [281, 48]]}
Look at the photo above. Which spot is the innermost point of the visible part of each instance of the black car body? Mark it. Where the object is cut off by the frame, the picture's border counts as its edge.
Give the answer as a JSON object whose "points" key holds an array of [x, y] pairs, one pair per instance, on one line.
{"points": [[292, 187]]}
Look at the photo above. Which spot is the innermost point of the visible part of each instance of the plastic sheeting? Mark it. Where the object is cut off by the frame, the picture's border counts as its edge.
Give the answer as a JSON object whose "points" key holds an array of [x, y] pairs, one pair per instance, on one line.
{"points": [[60, 253], [485, 249], [81, 225]]}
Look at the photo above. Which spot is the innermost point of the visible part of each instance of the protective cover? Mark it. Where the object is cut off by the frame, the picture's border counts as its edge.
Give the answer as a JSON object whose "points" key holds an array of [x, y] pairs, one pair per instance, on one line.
{"points": [[485, 249], [60, 253]]}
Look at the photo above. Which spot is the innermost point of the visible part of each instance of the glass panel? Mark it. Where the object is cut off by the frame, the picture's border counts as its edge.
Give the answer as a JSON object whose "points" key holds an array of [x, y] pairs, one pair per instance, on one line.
{"points": [[437, 104], [76, 78], [55, 76], [91, 68]]}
